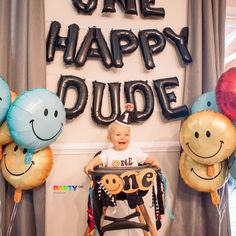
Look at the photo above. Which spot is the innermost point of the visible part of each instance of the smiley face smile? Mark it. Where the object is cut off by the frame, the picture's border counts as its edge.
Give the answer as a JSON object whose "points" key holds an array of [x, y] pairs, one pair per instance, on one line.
{"points": [[206, 157], [208, 178], [19, 174], [44, 139], [113, 189]]}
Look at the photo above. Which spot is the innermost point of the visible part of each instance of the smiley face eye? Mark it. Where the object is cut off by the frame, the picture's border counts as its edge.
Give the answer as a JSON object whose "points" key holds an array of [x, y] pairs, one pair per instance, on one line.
{"points": [[15, 148], [55, 113], [149, 175], [208, 134], [208, 103], [24, 150], [196, 134], [107, 181], [113, 181], [0, 99], [45, 112]]}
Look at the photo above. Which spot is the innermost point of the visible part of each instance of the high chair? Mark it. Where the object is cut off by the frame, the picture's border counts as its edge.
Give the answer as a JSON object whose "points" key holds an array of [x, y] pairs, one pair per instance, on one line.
{"points": [[100, 198]]}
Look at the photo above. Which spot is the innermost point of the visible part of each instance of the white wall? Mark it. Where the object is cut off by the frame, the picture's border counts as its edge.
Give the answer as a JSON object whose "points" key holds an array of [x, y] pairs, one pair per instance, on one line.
{"points": [[230, 35], [66, 212], [231, 3]]}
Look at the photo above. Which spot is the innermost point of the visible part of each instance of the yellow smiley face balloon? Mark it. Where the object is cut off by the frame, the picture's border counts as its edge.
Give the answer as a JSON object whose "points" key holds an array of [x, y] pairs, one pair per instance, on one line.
{"points": [[25, 176], [196, 175], [113, 183], [208, 137]]}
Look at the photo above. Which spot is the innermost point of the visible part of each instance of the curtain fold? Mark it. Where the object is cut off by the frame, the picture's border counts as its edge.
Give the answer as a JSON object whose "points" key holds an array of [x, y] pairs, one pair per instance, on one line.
{"points": [[194, 213], [27, 64], [23, 66]]}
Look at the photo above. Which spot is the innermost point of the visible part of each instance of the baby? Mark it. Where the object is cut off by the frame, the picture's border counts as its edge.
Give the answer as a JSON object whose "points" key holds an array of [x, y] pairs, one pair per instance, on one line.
{"points": [[120, 154]]}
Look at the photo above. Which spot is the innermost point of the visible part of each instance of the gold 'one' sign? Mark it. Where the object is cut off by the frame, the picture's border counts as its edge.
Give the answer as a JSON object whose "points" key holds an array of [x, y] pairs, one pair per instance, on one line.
{"points": [[129, 181]]}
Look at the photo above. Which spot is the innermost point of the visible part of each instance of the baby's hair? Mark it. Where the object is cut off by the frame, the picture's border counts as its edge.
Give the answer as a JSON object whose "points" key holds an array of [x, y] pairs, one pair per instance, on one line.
{"points": [[109, 128]]}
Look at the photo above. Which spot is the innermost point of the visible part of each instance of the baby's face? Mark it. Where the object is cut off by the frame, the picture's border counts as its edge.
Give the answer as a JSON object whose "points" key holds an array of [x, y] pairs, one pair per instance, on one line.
{"points": [[119, 135]]}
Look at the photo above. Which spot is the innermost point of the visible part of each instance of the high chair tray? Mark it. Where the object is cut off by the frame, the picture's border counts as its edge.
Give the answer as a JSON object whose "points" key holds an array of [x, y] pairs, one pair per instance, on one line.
{"points": [[100, 171]]}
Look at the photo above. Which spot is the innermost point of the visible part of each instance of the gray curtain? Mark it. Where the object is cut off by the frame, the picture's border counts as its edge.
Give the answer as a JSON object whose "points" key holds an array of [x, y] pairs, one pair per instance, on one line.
{"points": [[194, 213], [22, 64]]}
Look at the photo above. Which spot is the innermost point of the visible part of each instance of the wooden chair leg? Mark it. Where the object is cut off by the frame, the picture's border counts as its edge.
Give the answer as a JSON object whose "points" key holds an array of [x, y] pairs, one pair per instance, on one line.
{"points": [[147, 218], [142, 220]]}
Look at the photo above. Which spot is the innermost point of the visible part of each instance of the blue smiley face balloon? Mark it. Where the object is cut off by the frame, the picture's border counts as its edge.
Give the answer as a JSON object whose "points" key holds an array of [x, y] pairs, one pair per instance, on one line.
{"points": [[5, 99], [36, 119], [206, 101]]}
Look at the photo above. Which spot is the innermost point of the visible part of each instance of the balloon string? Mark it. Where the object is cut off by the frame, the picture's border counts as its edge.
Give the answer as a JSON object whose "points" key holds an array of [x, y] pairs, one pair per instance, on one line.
{"points": [[13, 215], [221, 208], [225, 205], [171, 216], [219, 228]]}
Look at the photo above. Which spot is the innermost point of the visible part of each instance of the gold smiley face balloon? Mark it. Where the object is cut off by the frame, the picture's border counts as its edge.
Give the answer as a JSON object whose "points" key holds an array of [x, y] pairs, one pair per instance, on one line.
{"points": [[25, 176], [113, 183], [208, 137], [196, 176], [5, 136]]}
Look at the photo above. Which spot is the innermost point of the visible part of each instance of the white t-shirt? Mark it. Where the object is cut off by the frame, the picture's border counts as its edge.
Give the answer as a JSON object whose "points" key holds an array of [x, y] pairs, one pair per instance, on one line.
{"points": [[131, 156]]}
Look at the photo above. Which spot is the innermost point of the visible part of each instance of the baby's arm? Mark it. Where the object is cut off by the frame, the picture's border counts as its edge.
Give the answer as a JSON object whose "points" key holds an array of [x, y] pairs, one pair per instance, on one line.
{"points": [[151, 160], [96, 161]]}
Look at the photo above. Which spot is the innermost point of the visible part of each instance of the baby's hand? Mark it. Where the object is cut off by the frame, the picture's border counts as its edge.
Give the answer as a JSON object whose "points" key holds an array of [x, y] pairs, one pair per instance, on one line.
{"points": [[155, 163], [151, 160], [88, 168], [96, 161]]}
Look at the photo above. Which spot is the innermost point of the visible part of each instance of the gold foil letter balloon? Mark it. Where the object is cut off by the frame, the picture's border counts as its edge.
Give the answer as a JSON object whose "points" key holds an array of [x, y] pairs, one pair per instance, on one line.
{"points": [[208, 137], [25, 176]]}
